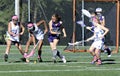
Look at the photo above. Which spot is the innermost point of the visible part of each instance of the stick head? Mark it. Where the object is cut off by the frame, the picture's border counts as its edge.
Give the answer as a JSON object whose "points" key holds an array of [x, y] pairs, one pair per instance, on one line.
{"points": [[86, 13], [81, 23]]}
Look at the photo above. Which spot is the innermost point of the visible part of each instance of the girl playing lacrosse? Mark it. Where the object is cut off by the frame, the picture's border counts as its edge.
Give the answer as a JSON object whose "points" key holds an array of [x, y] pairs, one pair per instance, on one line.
{"points": [[13, 35], [36, 32], [98, 37], [55, 25]]}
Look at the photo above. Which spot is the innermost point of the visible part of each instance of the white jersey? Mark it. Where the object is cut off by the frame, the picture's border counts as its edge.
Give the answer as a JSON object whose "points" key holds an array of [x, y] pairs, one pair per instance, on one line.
{"points": [[14, 29], [98, 42], [98, 33], [38, 33]]}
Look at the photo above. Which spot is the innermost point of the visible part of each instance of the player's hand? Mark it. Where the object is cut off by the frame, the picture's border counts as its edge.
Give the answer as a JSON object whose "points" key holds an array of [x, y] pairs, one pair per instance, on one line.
{"points": [[89, 28], [87, 40], [45, 31], [21, 33]]}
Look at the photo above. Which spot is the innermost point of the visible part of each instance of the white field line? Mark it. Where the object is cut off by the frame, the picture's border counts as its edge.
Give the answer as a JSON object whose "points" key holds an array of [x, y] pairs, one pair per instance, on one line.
{"points": [[65, 70], [51, 63], [78, 68]]}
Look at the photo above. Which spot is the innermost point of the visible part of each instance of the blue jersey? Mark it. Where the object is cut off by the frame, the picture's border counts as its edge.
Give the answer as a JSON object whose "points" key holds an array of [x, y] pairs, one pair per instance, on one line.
{"points": [[55, 28]]}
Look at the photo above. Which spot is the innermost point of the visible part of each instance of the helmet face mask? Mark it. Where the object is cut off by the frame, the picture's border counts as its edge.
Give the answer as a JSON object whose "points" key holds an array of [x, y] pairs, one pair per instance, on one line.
{"points": [[31, 26]]}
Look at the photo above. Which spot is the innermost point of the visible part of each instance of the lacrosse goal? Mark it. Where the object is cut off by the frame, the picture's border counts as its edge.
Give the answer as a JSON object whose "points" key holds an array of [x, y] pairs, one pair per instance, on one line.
{"points": [[111, 10]]}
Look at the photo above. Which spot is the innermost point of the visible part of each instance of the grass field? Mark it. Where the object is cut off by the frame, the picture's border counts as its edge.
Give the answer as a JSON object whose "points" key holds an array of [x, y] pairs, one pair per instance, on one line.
{"points": [[78, 64]]}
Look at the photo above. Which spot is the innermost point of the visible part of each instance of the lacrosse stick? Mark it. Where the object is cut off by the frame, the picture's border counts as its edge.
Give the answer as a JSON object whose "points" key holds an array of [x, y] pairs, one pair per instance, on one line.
{"points": [[32, 51], [81, 23], [86, 13], [77, 42]]}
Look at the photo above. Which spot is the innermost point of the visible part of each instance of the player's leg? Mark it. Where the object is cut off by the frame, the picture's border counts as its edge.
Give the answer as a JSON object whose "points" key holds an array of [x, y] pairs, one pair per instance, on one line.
{"points": [[54, 52], [98, 52], [98, 47], [40, 50], [92, 52], [30, 40], [7, 49], [19, 46], [55, 42]]}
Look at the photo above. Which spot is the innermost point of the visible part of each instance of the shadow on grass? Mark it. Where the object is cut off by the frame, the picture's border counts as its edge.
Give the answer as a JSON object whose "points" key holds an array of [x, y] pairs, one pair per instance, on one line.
{"points": [[108, 61], [24, 60]]}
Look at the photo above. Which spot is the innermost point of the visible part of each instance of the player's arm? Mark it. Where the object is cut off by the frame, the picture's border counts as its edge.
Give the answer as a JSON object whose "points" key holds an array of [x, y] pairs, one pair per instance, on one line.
{"points": [[103, 21], [45, 25], [9, 30], [106, 30], [63, 30], [33, 39], [91, 38], [22, 28]]}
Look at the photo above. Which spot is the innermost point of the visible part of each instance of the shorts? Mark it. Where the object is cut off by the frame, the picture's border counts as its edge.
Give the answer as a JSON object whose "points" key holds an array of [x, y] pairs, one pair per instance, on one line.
{"points": [[98, 44], [52, 37], [40, 37]]}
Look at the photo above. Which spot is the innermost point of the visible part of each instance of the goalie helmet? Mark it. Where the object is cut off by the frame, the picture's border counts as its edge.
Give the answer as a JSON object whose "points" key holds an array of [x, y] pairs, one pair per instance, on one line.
{"points": [[98, 10]]}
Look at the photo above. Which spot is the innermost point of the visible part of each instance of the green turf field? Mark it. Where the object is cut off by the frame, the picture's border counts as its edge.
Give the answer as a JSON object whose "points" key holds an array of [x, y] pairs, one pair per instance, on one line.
{"points": [[78, 64]]}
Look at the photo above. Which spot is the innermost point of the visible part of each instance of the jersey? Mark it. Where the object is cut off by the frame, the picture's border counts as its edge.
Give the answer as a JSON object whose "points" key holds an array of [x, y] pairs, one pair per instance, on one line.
{"points": [[14, 29], [55, 28], [37, 32], [98, 33], [98, 42]]}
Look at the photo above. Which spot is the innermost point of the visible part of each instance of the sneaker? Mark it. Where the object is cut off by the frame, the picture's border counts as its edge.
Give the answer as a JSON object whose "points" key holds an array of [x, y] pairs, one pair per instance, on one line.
{"points": [[25, 55], [23, 59], [5, 57], [54, 60], [40, 60], [94, 60], [99, 62], [63, 59], [109, 55]]}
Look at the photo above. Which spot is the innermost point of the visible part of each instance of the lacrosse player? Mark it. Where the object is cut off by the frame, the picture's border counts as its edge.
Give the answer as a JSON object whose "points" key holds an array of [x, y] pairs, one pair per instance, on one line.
{"points": [[98, 37], [38, 33], [55, 25], [102, 22], [13, 36]]}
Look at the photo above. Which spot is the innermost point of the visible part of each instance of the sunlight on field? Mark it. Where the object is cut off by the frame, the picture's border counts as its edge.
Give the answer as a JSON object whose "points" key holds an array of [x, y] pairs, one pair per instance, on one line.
{"points": [[78, 64]]}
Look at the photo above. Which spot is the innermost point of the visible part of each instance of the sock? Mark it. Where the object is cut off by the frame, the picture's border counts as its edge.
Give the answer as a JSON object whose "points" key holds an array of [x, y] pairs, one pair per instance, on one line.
{"points": [[54, 53], [59, 54], [39, 53]]}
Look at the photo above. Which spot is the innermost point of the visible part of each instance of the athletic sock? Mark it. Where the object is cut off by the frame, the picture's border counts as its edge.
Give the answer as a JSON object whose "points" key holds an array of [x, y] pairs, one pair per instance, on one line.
{"points": [[39, 53], [59, 54], [54, 54]]}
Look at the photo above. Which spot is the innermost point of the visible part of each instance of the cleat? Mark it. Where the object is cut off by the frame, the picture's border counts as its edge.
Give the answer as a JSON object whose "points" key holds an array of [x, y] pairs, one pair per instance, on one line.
{"points": [[27, 60], [99, 62], [40, 60], [109, 55], [63, 59], [94, 60], [25, 55], [6, 57], [23, 59], [54, 60]]}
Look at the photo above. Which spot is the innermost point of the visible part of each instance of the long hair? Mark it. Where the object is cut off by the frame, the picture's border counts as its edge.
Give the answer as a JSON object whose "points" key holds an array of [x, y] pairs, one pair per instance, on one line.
{"points": [[57, 17]]}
